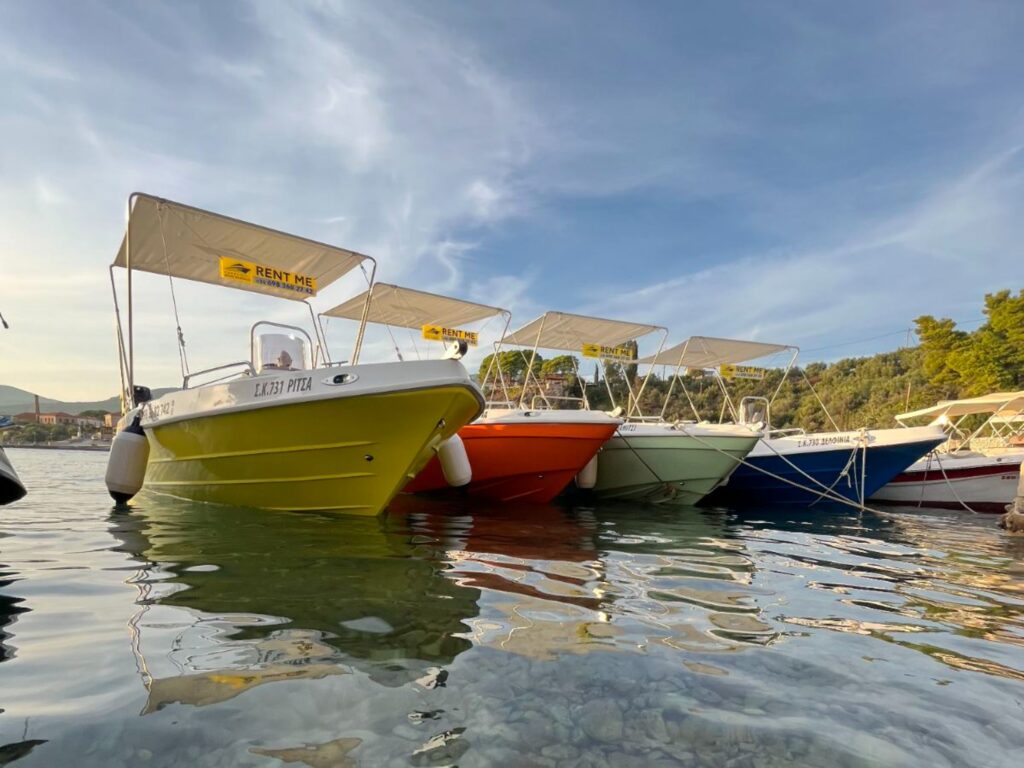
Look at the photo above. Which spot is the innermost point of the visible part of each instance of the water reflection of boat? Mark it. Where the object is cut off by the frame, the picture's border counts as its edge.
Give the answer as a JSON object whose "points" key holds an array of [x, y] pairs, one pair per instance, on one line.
{"points": [[560, 580], [283, 596], [9, 609]]}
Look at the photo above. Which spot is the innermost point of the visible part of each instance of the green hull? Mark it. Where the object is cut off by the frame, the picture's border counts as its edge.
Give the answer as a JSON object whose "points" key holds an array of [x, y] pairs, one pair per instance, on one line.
{"points": [[677, 469]]}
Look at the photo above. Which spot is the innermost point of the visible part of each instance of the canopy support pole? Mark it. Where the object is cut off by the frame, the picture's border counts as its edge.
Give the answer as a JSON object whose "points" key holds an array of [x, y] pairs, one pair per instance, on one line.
{"points": [[366, 312], [529, 367], [494, 357], [643, 385], [131, 337], [321, 339], [122, 362]]}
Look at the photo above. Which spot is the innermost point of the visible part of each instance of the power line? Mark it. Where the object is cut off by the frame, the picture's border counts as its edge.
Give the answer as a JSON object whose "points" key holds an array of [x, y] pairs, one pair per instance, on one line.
{"points": [[900, 332]]}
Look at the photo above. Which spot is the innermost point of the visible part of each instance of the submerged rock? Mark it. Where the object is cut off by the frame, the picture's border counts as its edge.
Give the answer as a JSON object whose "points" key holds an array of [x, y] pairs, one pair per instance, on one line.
{"points": [[1012, 521], [601, 719]]}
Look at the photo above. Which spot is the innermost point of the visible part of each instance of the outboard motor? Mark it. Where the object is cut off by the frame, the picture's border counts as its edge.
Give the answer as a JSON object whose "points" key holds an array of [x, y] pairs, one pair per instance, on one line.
{"points": [[455, 464], [126, 465]]}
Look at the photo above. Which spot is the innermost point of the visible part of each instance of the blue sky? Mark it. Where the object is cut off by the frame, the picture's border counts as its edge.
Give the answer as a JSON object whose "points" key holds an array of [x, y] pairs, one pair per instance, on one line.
{"points": [[810, 173]]}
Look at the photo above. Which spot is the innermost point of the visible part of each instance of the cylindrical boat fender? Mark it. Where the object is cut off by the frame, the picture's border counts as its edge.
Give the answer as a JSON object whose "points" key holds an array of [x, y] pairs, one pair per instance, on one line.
{"points": [[587, 477], [454, 462], [126, 464]]}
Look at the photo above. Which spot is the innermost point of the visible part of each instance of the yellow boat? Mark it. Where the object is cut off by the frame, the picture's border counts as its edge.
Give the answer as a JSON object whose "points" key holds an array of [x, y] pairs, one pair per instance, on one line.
{"points": [[276, 431]]}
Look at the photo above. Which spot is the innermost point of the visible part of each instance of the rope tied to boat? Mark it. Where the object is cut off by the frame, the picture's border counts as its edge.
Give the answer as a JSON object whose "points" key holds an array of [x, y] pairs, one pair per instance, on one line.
{"points": [[182, 355], [649, 468], [832, 496], [949, 483]]}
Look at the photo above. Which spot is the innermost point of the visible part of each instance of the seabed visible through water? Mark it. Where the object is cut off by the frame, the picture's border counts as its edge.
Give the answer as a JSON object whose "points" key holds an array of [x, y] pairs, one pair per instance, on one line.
{"points": [[181, 634]]}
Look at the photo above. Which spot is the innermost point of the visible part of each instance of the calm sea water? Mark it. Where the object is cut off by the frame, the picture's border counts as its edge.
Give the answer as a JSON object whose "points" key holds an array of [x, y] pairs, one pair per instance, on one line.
{"points": [[182, 634]]}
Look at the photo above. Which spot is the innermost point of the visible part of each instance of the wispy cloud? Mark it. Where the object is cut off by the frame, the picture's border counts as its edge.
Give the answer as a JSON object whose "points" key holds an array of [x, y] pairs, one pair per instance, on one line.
{"points": [[881, 273]]}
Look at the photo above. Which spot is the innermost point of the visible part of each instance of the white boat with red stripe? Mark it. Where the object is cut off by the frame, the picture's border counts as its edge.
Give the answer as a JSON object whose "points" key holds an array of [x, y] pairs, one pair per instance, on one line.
{"points": [[977, 470]]}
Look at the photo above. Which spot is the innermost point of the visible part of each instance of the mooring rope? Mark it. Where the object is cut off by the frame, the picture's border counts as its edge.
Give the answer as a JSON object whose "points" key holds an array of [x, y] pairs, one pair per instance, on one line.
{"points": [[951, 488], [182, 355], [650, 469], [845, 472], [743, 462]]}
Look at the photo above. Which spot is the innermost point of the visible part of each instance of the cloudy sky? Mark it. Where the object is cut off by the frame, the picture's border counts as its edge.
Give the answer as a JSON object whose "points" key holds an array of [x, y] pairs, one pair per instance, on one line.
{"points": [[810, 173]]}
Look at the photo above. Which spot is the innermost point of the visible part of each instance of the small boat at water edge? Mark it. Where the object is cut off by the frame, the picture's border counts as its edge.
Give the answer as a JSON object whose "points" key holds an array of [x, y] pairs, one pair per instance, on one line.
{"points": [[977, 470], [287, 428], [511, 454], [647, 459], [11, 488]]}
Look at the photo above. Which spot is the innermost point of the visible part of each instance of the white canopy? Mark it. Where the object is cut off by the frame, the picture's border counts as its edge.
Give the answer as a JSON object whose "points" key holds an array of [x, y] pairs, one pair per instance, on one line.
{"points": [[409, 308], [996, 403], [709, 352], [169, 238], [564, 331]]}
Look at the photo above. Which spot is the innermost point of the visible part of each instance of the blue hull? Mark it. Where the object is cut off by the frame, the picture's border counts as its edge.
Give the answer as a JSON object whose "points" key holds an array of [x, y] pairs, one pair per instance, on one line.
{"points": [[751, 486]]}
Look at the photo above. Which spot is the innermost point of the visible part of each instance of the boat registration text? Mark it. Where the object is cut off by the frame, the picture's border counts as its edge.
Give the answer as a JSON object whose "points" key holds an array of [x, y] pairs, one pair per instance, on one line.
{"points": [[828, 440], [283, 386]]}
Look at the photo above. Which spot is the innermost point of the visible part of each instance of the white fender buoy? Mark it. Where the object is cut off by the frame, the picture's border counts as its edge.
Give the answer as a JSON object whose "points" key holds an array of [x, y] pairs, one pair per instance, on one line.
{"points": [[454, 462], [587, 477], [126, 464]]}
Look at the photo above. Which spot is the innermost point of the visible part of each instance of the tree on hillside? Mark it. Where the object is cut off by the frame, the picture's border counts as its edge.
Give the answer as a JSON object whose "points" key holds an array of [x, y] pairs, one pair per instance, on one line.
{"points": [[513, 363], [995, 357], [563, 365], [940, 341], [991, 358]]}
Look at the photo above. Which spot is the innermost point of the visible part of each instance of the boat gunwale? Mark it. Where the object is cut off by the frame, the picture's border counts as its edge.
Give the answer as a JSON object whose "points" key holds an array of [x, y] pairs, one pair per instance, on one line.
{"points": [[250, 406]]}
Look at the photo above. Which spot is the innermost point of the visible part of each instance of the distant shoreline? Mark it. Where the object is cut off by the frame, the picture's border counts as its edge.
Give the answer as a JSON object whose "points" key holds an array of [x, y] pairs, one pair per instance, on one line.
{"points": [[62, 447]]}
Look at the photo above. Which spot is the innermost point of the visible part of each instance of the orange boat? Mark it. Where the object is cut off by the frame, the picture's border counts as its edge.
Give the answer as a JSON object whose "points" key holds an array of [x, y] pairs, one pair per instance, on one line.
{"points": [[528, 456], [509, 453]]}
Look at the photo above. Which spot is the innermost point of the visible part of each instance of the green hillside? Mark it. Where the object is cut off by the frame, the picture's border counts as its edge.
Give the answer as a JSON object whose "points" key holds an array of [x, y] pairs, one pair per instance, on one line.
{"points": [[14, 400]]}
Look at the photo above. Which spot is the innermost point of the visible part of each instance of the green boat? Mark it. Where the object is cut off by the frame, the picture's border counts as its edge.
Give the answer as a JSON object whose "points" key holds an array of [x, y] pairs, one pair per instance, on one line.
{"points": [[670, 463]]}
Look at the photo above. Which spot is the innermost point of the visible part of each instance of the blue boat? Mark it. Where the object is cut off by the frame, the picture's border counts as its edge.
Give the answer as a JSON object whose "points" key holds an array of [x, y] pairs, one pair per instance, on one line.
{"points": [[805, 468]]}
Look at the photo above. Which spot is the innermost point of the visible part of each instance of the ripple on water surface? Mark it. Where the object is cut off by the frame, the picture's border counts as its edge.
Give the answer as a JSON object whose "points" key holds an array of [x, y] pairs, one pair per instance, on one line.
{"points": [[444, 634]]}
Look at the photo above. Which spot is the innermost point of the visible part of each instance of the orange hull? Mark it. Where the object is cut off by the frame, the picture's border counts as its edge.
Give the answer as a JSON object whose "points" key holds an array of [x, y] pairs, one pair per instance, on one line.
{"points": [[520, 462]]}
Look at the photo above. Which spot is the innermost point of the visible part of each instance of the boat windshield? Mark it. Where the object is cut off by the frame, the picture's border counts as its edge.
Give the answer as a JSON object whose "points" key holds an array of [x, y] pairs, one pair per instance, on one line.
{"points": [[281, 352]]}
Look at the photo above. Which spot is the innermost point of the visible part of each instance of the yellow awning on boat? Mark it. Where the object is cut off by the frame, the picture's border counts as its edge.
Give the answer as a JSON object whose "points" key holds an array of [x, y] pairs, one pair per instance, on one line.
{"points": [[168, 238], [408, 308], [570, 333], [711, 352]]}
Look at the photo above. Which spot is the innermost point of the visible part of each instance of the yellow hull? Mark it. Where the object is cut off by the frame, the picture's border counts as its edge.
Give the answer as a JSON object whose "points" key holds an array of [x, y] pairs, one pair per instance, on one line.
{"points": [[345, 454]]}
